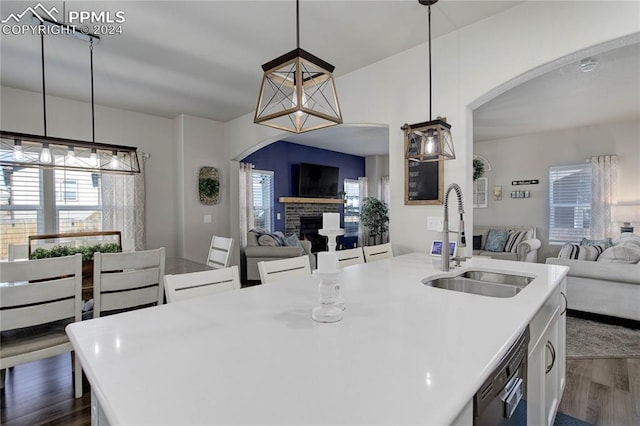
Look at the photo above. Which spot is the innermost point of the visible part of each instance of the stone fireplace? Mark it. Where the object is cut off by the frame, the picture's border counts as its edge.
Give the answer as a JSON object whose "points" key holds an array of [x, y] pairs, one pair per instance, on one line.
{"points": [[311, 209], [309, 226]]}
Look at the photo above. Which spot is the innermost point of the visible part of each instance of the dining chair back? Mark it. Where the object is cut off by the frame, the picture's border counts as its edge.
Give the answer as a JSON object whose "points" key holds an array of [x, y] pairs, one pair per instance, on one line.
{"points": [[276, 270], [350, 257], [38, 298], [381, 251], [124, 281], [219, 252], [17, 252], [194, 284]]}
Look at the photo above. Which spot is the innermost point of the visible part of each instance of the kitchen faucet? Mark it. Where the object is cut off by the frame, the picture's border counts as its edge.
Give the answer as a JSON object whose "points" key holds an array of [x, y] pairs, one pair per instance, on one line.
{"points": [[462, 240]]}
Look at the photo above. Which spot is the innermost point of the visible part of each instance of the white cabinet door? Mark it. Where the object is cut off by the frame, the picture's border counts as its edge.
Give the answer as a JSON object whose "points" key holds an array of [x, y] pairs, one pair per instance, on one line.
{"points": [[546, 368]]}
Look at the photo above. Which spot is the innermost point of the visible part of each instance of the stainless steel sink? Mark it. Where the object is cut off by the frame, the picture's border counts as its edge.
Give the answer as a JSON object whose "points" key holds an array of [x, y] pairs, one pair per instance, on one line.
{"points": [[492, 284]]}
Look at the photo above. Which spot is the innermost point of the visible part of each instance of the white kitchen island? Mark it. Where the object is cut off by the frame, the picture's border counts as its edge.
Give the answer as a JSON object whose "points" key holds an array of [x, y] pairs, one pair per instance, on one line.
{"points": [[404, 353]]}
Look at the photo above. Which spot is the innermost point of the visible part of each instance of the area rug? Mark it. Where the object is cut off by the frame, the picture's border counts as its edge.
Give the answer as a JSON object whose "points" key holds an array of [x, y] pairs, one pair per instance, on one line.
{"points": [[592, 339]]}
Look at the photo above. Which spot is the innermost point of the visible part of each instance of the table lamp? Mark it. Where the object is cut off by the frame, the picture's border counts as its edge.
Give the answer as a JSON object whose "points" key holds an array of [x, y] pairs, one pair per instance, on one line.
{"points": [[627, 213]]}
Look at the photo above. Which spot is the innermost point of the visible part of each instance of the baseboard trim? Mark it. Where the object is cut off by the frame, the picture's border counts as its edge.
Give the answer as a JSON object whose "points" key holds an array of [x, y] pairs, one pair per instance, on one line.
{"points": [[607, 319]]}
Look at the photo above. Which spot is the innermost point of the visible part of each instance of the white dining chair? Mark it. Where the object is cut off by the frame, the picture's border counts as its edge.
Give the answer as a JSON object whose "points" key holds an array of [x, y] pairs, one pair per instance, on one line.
{"points": [[379, 252], [38, 298], [350, 257], [219, 252], [275, 270], [194, 284], [124, 281]]}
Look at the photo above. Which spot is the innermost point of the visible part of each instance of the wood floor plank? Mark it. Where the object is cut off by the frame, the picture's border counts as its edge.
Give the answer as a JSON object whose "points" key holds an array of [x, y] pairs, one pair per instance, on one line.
{"points": [[633, 367], [576, 394]]}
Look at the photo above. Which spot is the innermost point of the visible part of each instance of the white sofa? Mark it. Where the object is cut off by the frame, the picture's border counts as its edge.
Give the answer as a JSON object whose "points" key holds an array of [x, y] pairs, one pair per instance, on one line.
{"points": [[604, 288], [525, 251]]}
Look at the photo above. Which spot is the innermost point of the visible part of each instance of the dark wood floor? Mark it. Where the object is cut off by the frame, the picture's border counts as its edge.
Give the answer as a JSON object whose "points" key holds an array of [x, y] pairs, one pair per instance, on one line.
{"points": [[604, 392]]}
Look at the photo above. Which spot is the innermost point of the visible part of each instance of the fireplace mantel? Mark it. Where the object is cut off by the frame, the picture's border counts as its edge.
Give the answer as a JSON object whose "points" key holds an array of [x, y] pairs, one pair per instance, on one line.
{"points": [[300, 200]]}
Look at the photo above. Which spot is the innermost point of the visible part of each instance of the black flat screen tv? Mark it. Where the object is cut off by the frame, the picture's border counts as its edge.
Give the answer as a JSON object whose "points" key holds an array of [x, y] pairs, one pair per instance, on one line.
{"points": [[318, 181]]}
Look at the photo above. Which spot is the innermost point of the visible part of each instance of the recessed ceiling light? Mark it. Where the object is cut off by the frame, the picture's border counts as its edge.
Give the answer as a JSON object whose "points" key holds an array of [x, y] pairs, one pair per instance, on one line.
{"points": [[588, 64]]}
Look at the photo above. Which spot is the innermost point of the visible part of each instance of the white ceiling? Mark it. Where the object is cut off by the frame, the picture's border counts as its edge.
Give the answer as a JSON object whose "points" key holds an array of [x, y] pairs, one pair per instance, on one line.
{"points": [[203, 58], [566, 97]]}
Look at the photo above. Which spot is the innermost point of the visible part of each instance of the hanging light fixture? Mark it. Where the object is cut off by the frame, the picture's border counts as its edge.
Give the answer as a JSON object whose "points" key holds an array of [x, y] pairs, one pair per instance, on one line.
{"points": [[28, 150], [298, 93], [430, 140]]}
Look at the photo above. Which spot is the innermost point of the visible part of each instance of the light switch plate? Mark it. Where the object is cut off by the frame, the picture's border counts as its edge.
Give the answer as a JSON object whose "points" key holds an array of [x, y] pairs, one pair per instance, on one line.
{"points": [[277, 216], [207, 218], [434, 223]]}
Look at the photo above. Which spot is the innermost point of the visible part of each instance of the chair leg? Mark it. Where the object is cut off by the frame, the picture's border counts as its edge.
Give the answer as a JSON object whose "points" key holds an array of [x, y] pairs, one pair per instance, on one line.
{"points": [[77, 375], [2, 377]]}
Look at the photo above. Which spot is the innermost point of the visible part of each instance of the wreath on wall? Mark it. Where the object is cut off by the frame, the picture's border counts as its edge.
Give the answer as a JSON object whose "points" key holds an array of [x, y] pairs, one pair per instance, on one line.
{"points": [[478, 168], [208, 185]]}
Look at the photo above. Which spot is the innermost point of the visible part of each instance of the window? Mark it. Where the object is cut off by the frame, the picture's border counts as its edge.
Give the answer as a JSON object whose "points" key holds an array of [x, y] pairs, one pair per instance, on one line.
{"points": [[66, 190], [569, 203], [37, 201], [351, 207], [263, 199]]}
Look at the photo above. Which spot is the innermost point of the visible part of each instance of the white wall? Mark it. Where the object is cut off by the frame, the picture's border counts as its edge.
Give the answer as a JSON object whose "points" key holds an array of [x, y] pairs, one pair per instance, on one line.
{"points": [[511, 160], [201, 144], [22, 112], [467, 65]]}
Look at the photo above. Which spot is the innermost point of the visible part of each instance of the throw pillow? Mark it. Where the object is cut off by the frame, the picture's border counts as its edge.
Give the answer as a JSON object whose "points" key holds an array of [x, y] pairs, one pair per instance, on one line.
{"points": [[515, 238], [477, 242], [578, 252], [627, 238], [624, 253], [587, 242], [293, 241], [496, 240], [267, 240]]}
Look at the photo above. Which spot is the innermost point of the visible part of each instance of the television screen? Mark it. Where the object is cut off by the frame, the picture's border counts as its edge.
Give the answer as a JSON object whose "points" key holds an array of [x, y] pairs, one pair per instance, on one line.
{"points": [[318, 181]]}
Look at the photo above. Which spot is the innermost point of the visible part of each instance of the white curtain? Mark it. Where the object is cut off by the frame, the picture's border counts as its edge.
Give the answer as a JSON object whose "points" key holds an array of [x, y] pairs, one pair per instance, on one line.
{"points": [[603, 195], [123, 206], [246, 202], [385, 190], [363, 191]]}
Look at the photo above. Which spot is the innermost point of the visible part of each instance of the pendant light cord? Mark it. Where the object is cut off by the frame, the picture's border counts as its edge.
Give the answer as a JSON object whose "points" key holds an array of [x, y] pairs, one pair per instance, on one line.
{"points": [[430, 118], [93, 115], [44, 93], [298, 24]]}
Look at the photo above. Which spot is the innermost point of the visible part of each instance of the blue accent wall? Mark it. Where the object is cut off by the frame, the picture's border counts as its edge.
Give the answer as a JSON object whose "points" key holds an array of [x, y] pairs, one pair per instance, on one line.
{"points": [[284, 158]]}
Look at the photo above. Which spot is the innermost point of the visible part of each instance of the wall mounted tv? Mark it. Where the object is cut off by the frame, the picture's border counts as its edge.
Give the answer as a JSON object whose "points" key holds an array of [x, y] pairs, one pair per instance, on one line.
{"points": [[318, 181]]}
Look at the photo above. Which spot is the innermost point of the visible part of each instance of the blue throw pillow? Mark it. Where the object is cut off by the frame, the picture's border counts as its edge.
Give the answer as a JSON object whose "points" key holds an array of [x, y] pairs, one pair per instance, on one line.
{"points": [[293, 241], [496, 240]]}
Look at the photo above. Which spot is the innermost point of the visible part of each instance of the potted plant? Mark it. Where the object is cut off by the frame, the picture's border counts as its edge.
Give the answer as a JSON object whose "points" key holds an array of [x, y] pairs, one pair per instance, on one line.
{"points": [[375, 217]]}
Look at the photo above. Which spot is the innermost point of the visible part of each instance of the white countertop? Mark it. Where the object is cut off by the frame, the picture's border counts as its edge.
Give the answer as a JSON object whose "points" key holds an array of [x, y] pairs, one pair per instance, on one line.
{"points": [[404, 353]]}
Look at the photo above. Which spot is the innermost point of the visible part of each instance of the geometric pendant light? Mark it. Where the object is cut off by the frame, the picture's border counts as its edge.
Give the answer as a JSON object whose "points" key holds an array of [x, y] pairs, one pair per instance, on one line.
{"points": [[430, 140], [20, 150], [298, 93]]}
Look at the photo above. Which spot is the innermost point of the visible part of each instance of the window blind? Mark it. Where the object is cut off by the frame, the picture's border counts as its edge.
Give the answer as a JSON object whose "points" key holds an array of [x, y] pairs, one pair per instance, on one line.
{"points": [[569, 203], [263, 199], [351, 207]]}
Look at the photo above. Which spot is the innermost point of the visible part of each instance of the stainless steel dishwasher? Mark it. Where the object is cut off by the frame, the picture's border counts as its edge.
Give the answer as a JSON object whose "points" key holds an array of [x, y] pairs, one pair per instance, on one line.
{"points": [[501, 398]]}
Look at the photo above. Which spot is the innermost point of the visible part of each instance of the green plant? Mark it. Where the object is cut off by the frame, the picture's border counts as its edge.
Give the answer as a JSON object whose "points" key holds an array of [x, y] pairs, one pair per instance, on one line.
{"points": [[209, 187], [478, 168], [85, 251], [375, 216]]}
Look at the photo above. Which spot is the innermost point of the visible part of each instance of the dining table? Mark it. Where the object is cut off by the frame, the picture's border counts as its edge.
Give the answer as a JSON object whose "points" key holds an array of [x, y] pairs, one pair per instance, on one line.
{"points": [[402, 353]]}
